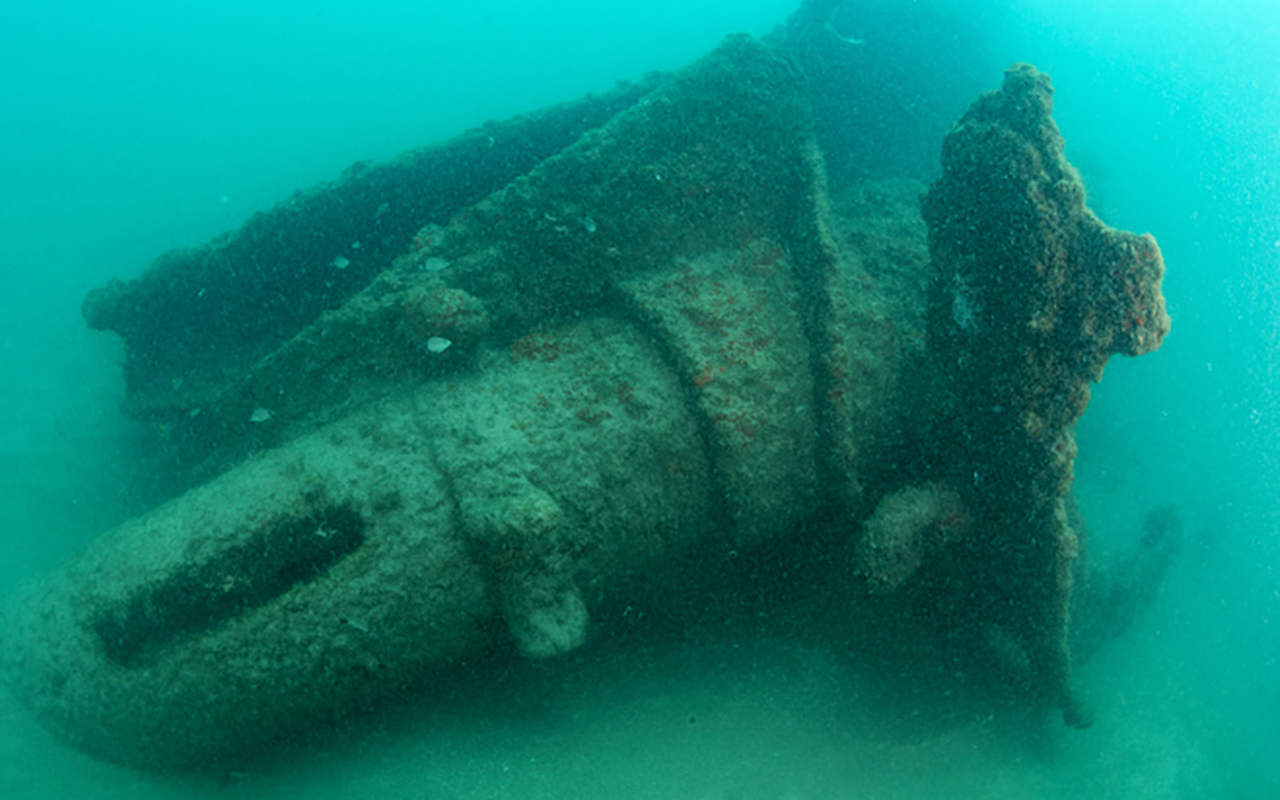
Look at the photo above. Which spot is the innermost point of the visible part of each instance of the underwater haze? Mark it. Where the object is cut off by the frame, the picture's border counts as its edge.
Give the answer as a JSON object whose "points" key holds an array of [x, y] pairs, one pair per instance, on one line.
{"points": [[131, 128]]}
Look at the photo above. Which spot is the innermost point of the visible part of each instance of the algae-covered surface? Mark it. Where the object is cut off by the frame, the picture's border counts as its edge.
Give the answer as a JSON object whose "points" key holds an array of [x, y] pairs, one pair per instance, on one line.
{"points": [[720, 433]]}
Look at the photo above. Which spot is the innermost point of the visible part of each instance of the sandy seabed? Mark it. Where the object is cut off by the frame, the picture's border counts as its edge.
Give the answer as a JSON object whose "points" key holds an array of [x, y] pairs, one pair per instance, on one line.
{"points": [[733, 713]]}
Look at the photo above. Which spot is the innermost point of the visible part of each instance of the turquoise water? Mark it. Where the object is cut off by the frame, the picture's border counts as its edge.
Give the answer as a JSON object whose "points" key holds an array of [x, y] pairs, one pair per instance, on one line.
{"points": [[131, 128]]}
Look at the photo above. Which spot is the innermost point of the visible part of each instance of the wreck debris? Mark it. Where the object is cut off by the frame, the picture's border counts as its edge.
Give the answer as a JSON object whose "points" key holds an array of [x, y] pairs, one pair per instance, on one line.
{"points": [[908, 527], [1059, 293], [1110, 601]]}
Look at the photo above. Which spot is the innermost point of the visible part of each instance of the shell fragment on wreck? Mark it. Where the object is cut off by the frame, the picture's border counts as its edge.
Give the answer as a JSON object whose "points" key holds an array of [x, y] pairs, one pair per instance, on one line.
{"points": [[438, 344]]}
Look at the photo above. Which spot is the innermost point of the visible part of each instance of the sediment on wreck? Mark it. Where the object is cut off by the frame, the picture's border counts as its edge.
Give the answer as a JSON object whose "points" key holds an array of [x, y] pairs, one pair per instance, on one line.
{"points": [[1031, 295]]}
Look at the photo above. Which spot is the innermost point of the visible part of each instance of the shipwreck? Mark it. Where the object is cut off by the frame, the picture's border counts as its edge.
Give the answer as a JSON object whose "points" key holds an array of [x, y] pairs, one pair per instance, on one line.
{"points": [[442, 405]]}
